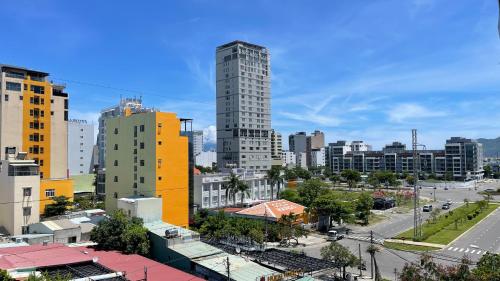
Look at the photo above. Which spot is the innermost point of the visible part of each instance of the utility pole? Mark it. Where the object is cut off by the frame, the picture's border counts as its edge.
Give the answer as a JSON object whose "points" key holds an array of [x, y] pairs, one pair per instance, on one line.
{"points": [[145, 274], [228, 269], [360, 261], [395, 274], [417, 230], [371, 255]]}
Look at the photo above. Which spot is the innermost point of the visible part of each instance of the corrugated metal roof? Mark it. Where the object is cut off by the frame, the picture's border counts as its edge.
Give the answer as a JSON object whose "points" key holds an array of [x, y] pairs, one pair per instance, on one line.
{"points": [[241, 269], [59, 224]]}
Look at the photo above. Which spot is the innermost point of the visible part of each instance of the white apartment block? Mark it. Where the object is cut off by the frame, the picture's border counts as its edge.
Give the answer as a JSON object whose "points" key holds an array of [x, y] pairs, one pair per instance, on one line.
{"points": [[19, 193], [80, 147], [206, 159], [210, 191], [197, 142], [288, 159], [243, 106], [301, 160], [318, 158], [276, 148]]}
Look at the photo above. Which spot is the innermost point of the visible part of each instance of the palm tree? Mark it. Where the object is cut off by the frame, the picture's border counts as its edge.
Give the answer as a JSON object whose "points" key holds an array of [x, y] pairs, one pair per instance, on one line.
{"points": [[232, 187], [243, 188], [372, 249], [274, 177]]}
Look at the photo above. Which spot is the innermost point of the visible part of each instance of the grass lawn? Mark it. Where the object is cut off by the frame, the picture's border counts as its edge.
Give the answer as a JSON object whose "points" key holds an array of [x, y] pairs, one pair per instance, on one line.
{"points": [[443, 231], [375, 218], [408, 247]]}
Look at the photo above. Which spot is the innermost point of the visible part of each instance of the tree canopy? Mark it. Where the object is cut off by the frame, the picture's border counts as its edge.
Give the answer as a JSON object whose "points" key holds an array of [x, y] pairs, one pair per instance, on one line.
{"points": [[339, 255], [352, 177], [121, 233], [59, 207]]}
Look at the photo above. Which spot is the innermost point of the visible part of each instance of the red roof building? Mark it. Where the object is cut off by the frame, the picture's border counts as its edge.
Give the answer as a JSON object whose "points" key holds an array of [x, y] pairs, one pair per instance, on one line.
{"points": [[132, 267], [273, 210]]}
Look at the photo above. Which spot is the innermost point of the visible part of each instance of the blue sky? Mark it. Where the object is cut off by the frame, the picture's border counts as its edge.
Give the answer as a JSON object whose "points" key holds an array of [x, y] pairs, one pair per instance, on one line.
{"points": [[365, 69]]}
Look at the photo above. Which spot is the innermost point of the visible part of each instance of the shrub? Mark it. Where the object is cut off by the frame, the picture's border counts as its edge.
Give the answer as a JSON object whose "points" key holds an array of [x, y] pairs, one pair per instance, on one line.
{"points": [[469, 216]]}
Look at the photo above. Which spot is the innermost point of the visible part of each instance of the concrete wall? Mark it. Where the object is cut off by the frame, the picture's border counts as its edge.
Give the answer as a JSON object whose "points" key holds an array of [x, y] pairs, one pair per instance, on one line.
{"points": [[80, 147], [148, 209]]}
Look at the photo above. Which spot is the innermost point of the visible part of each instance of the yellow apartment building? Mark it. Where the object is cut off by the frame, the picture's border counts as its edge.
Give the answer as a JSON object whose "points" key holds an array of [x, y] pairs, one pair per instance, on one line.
{"points": [[34, 119], [146, 156]]}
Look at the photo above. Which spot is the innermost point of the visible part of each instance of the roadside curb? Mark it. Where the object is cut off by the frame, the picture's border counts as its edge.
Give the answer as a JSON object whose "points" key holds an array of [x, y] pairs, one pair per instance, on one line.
{"points": [[459, 236], [407, 242]]}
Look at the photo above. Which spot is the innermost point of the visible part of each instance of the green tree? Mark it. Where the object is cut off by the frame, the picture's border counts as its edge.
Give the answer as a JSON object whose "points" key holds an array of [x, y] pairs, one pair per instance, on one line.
{"points": [[372, 250], [410, 180], [340, 256], [466, 201], [302, 173], [121, 233], [488, 267], [310, 190], [4, 276], [434, 214], [487, 171], [364, 206], [275, 179], [232, 186], [428, 270], [244, 189], [329, 204], [334, 179], [352, 177], [290, 195], [290, 174], [482, 204], [47, 277], [59, 207]]}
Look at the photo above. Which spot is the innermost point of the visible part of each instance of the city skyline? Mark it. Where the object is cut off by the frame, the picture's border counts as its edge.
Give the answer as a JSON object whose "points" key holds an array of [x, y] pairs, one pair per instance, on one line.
{"points": [[432, 71]]}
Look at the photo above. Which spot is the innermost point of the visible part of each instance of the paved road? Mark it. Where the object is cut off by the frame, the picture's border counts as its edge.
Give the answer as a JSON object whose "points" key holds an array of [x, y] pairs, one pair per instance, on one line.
{"points": [[485, 235]]}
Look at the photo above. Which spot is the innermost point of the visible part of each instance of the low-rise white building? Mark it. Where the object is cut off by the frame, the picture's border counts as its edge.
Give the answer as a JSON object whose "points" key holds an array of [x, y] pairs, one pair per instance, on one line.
{"points": [[210, 190], [147, 208], [289, 159], [206, 159], [19, 192]]}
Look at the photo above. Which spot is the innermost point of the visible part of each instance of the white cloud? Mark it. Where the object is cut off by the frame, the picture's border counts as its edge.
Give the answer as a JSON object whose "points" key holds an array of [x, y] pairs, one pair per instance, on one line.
{"points": [[204, 75], [312, 117], [412, 111], [210, 134]]}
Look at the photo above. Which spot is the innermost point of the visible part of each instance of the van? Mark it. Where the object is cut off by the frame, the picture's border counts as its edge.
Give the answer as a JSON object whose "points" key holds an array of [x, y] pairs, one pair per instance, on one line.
{"points": [[427, 208]]}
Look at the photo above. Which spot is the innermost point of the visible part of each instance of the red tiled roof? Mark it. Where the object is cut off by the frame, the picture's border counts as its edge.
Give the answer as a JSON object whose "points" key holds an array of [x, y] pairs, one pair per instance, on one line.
{"points": [[133, 266], [58, 254], [273, 209]]}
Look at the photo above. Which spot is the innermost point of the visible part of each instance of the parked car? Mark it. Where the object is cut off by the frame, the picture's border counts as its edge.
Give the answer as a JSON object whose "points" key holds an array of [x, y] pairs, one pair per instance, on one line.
{"points": [[333, 235], [427, 208], [449, 202], [445, 206]]}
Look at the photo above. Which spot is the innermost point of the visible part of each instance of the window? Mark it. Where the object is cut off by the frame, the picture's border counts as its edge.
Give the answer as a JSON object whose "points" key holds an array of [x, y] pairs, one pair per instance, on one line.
{"points": [[27, 191], [50, 193], [115, 179], [6, 97], [37, 89], [11, 86], [141, 163], [159, 163], [116, 131], [26, 211], [116, 163], [65, 115], [159, 142], [142, 145], [141, 179], [141, 128], [116, 147]]}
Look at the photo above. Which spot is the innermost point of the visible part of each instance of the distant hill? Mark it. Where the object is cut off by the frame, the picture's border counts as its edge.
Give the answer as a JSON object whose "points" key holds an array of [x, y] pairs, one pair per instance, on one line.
{"points": [[491, 147]]}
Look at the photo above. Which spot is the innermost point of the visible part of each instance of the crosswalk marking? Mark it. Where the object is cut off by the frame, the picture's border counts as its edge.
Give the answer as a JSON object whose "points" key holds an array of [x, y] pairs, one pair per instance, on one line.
{"points": [[454, 250], [478, 252], [472, 252], [461, 250], [467, 250], [450, 248]]}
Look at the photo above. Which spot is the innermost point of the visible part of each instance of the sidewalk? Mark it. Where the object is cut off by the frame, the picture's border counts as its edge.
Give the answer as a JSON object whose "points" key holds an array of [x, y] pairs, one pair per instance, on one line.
{"points": [[409, 242]]}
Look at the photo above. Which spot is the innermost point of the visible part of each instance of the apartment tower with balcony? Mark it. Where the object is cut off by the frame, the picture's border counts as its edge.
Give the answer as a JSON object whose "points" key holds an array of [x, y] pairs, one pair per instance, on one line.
{"points": [[243, 106], [146, 156], [34, 119]]}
